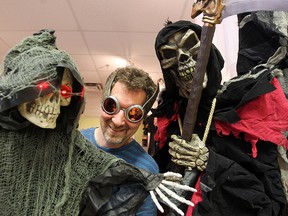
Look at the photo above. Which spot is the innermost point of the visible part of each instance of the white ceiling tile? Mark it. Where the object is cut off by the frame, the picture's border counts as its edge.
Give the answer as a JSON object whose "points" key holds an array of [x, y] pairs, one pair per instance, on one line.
{"points": [[129, 15], [72, 42], [149, 64], [4, 48], [11, 38], [33, 14], [121, 43], [84, 62], [91, 76], [110, 62]]}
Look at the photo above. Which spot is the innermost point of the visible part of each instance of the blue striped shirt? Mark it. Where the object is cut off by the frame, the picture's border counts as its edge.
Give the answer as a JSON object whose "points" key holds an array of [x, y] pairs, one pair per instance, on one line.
{"points": [[134, 154]]}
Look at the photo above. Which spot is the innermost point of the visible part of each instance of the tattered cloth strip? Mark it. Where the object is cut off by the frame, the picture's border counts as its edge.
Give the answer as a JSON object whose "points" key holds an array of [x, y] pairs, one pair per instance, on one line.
{"points": [[162, 124], [265, 118]]}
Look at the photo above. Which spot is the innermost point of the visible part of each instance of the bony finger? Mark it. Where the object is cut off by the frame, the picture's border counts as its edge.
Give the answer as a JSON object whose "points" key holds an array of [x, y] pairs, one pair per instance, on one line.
{"points": [[172, 144], [200, 168], [200, 162], [195, 137], [190, 156], [172, 153], [176, 138], [182, 150], [204, 157], [184, 163], [186, 152], [204, 150], [191, 146], [187, 158], [175, 146]]}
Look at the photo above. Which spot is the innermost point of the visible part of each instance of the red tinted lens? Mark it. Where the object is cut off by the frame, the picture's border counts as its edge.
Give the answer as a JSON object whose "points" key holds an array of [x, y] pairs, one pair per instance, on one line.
{"points": [[135, 114], [110, 105]]}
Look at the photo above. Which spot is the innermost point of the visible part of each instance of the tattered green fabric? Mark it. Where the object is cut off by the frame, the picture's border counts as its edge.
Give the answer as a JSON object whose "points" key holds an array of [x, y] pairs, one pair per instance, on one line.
{"points": [[44, 172]]}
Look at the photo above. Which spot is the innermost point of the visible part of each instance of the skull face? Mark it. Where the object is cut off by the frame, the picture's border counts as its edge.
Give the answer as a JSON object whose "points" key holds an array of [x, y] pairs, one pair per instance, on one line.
{"points": [[45, 110], [179, 57]]}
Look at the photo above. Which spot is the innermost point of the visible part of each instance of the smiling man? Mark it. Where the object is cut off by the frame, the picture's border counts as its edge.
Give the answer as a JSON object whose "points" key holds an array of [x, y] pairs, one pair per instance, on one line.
{"points": [[128, 95]]}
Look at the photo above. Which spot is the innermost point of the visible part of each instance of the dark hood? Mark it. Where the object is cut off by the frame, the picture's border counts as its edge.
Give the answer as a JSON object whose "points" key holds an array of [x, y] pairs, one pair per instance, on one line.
{"points": [[265, 26]]}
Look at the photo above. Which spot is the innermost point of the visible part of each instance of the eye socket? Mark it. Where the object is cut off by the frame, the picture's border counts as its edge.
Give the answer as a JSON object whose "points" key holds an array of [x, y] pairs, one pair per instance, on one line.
{"points": [[66, 91], [190, 41], [168, 53]]}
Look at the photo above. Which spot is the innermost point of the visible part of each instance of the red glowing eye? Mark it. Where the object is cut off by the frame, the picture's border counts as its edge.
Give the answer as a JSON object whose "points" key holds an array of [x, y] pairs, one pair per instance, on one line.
{"points": [[66, 91], [43, 85], [82, 92]]}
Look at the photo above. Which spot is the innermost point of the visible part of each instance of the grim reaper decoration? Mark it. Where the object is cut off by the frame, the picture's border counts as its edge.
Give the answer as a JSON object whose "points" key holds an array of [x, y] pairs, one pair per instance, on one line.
{"points": [[249, 124], [46, 166], [176, 46]]}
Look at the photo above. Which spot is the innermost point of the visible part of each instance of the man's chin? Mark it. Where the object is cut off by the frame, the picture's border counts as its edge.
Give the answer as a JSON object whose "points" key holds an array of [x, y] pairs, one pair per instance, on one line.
{"points": [[113, 140]]}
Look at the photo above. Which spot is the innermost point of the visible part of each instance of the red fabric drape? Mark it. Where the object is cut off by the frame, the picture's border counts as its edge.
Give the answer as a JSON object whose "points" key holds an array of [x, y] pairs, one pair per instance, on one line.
{"points": [[265, 118]]}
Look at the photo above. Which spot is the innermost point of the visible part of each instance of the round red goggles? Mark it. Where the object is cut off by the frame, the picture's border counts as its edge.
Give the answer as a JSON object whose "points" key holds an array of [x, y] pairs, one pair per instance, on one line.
{"points": [[134, 113]]}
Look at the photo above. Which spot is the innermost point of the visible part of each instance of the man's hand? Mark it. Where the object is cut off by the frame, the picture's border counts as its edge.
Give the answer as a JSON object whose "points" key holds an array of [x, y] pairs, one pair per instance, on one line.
{"points": [[193, 154]]}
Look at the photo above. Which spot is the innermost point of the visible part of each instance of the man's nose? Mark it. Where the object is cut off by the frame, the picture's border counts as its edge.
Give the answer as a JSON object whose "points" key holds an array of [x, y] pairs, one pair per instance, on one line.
{"points": [[119, 118]]}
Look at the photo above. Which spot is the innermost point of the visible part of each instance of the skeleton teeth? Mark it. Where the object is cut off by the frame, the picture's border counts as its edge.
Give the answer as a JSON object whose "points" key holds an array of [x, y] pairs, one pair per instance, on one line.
{"points": [[51, 110], [45, 115], [51, 118]]}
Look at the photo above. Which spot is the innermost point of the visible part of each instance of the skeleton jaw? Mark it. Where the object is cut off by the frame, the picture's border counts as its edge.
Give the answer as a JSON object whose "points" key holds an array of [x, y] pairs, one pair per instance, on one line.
{"points": [[186, 71], [40, 114]]}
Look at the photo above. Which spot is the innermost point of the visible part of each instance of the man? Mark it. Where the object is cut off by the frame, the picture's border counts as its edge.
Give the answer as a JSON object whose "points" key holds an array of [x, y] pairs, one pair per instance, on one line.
{"points": [[128, 95]]}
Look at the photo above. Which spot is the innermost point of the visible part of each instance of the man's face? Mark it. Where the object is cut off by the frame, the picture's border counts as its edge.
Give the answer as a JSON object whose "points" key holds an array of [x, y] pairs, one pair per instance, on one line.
{"points": [[117, 130]]}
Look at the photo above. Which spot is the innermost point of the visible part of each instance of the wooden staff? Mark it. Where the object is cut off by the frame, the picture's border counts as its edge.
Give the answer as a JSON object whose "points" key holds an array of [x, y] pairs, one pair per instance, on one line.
{"points": [[212, 10]]}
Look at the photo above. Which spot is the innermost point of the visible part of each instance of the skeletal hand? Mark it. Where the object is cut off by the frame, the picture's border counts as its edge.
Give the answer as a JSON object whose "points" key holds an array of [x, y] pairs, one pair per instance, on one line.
{"points": [[172, 184], [193, 154]]}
